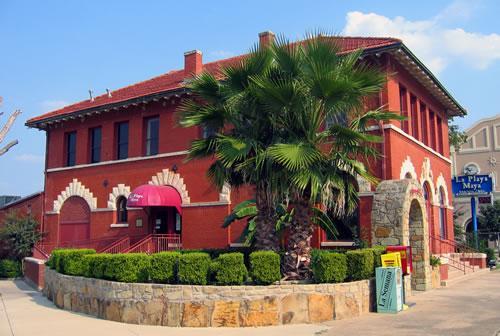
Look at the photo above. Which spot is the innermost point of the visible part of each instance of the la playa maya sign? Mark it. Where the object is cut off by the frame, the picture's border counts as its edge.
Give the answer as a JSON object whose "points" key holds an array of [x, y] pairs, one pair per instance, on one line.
{"points": [[470, 185]]}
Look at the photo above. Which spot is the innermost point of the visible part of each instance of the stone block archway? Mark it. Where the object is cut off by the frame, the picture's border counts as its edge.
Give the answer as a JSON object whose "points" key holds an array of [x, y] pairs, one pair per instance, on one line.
{"points": [[399, 218]]}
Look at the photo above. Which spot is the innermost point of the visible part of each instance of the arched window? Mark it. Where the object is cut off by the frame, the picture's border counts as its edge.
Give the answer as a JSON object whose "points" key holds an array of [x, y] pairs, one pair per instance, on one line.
{"points": [[121, 210], [442, 215]]}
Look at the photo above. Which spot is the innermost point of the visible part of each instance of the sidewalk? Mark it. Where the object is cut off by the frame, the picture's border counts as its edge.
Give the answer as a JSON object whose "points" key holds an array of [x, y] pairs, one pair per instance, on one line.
{"points": [[468, 308]]}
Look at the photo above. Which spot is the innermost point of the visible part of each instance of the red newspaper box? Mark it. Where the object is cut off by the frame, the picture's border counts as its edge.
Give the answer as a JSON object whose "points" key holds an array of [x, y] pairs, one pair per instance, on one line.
{"points": [[405, 252]]}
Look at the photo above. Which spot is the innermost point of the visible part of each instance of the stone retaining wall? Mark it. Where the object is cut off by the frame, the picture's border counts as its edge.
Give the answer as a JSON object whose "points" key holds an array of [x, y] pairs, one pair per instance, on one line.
{"points": [[209, 306]]}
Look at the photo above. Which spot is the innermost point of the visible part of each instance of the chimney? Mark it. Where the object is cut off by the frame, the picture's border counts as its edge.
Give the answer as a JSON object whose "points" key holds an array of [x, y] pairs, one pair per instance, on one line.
{"points": [[266, 38], [193, 64]]}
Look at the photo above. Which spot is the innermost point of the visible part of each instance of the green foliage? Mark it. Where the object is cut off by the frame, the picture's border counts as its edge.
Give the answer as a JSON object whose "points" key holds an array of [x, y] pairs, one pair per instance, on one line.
{"points": [[360, 264], [10, 268], [164, 267], [229, 269], [72, 261], [55, 259], [456, 136], [435, 261], [265, 267], [193, 268], [490, 253], [328, 267], [377, 251], [19, 235], [97, 264], [128, 267], [489, 218]]}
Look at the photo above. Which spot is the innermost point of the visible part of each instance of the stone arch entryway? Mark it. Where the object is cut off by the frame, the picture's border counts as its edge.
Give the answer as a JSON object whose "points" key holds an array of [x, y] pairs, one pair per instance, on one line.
{"points": [[399, 218]]}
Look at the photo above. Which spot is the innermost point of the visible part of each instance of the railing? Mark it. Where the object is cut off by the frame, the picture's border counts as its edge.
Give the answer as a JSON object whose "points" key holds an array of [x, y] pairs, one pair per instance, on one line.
{"points": [[155, 243], [100, 244], [446, 247], [118, 246]]}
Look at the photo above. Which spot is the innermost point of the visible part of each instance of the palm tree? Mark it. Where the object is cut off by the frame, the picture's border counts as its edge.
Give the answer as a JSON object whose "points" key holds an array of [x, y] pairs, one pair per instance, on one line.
{"points": [[308, 84], [239, 136]]}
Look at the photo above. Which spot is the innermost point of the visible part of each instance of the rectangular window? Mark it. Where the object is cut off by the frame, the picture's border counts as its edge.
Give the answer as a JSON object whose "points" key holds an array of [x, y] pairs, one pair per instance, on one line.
{"points": [[440, 145], [403, 102], [423, 123], [152, 135], [432, 130], [122, 140], [70, 149], [95, 145], [414, 120]]}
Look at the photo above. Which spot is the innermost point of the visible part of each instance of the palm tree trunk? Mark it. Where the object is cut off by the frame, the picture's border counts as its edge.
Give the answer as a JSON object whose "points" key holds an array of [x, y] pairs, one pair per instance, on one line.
{"points": [[298, 249], [266, 237]]}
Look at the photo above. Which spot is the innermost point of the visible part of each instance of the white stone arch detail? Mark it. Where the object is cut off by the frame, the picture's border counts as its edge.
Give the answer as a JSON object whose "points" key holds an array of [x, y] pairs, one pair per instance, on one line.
{"points": [[441, 183], [167, 177], [75, 188], [119, 190], [427, 176], [408, 168]]}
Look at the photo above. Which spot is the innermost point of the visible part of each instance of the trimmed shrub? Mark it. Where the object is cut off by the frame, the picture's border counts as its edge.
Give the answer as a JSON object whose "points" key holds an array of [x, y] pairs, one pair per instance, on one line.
{"points": [[377, 251], [265, 267], [164, 267], [10, 268], [128, 267], [329, 266], [72, 262], [193, 268], [229, 269], [54, 259], [359, 264], [97, 264]]}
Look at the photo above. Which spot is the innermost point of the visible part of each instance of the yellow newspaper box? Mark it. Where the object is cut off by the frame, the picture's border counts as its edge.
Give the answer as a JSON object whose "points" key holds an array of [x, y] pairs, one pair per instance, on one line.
{"points": [[391, 259]]}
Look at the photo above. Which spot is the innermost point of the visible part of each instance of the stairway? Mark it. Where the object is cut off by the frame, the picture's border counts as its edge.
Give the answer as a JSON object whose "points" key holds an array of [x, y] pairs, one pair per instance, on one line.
{"points": [[459, 270]]}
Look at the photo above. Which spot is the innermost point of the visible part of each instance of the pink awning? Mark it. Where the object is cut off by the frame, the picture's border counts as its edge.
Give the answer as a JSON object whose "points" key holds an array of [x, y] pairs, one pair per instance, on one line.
{"points": [[154, 195]]}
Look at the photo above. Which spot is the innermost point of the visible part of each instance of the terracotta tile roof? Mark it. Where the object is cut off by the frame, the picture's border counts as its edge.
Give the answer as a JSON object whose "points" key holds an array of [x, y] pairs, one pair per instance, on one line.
{"points": [[175, 79]]}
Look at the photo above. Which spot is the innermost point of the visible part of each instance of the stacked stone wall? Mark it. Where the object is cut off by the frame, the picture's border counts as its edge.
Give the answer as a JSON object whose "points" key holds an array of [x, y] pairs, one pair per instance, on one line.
{"points": [[210, 306]]}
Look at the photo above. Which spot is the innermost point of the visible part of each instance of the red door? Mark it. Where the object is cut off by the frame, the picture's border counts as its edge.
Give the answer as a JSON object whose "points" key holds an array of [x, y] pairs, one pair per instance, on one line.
{"points": [[74, 220]]}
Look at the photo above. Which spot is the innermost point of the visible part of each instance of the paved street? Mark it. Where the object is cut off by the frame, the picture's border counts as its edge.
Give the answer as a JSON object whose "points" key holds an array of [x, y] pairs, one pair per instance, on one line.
{"points": [[467, 308]]}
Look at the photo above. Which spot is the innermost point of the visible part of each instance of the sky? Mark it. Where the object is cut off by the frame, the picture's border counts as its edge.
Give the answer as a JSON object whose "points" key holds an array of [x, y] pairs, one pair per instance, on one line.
{"points": [[53, 52]]}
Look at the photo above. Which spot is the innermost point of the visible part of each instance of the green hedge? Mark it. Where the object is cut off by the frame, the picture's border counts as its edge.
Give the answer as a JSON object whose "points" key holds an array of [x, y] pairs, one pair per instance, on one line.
{"points": [[72, 262], [265, 267], [69, 261], [193, 268], [128, 267], [329, 266], [229, 269], [164, 267], [10, 268], [360, 264], [97, 264], [377, 251]]}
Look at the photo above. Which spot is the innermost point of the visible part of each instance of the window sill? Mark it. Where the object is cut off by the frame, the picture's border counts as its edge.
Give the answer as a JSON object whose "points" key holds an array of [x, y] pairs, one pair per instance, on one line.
{"points": [[119, 225], [337, 244]]}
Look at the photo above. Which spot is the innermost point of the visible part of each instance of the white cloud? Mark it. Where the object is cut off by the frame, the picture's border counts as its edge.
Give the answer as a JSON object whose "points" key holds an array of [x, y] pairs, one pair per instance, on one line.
{"points": [[30, 158], [435, 45], [50, 105], [221, 54]]}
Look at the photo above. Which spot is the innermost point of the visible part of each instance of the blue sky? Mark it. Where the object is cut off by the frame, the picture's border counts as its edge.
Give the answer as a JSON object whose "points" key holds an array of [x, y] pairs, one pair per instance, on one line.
{"points": [[53, 52]]}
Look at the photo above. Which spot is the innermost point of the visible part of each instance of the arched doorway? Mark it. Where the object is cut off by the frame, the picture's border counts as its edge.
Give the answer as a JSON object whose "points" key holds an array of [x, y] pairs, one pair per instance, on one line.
{"points": [[399, 218], [418, 243], [74, 220]]}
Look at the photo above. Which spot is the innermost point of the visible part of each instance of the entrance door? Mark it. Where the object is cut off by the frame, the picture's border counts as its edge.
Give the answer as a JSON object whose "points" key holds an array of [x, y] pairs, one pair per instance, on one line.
{"points": [[165, 220], [74, 222]]}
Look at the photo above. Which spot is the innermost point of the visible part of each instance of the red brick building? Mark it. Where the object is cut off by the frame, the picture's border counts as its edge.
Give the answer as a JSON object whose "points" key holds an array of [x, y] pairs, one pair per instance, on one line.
{"points": [[99, 150], [31, 205]]}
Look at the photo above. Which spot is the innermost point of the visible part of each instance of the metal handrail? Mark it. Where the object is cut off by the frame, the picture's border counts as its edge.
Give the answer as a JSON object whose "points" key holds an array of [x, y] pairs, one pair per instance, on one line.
{"points": [[155, 243], [457, 247], [118, 246]]}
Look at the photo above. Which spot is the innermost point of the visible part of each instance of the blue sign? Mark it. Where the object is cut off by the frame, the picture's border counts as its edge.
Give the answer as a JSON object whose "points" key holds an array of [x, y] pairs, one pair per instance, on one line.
{"points": [[471, 185]]}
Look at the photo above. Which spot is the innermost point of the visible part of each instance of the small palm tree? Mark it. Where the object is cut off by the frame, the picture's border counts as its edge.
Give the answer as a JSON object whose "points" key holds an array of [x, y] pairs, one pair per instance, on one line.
{"points": [[309, 83]]}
